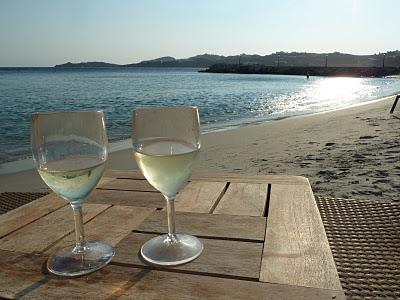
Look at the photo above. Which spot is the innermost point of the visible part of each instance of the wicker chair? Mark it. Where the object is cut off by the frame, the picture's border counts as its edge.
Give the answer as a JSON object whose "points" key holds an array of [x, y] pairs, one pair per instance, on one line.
{"points": [[12, 200], [365, 240]]}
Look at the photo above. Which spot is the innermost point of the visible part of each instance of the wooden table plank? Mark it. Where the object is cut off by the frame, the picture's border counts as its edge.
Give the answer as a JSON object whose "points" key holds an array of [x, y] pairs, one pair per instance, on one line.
{"points": [[243, 199], [28, 213], [219, 257], [128, 185], [107, 227], [21, 277], [128, 174], [19, 272], [296, 249], [262, 179], [127, 198], [207, 225], [199, 196], [172, 286], [32, 211], [294, 259], [224, 177], [47, 230]]}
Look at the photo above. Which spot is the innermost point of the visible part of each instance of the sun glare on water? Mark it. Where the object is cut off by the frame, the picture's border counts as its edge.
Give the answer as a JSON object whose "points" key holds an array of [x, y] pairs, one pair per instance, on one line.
{"points": [[338, 88], [325, 93], [336, 92]]}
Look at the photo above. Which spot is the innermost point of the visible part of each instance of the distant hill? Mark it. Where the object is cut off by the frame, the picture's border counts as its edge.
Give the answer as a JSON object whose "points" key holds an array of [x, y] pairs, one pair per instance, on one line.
{"points": [[93, 64], [161, 61], [284, 59]]}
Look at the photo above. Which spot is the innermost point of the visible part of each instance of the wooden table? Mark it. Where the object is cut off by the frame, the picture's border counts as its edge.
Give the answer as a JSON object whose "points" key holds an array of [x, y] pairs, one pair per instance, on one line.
{"points": [[263, 239]]}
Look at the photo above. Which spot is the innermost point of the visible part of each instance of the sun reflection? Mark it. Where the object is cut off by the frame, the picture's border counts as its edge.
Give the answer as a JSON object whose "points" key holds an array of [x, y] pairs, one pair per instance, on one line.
{"points": [[339, 88], [322, 94]]}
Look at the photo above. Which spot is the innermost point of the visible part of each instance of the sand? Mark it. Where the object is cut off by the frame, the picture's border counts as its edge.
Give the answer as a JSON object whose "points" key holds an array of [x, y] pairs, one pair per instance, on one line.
{"points": [[349, 153]]}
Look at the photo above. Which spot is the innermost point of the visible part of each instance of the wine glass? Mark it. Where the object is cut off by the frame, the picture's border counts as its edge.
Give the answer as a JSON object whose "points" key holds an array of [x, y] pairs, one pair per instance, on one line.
{"points": [[70, 151], [166, 142]]}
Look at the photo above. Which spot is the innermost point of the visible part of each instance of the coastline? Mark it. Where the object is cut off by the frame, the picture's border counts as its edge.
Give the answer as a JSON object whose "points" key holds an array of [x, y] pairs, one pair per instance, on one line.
{"points": [[25, 164], [353, 148]]}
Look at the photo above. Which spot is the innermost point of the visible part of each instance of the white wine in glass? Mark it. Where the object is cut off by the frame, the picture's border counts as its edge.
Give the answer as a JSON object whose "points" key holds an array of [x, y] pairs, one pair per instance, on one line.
{"points": [[166, 142], [70, 151]]}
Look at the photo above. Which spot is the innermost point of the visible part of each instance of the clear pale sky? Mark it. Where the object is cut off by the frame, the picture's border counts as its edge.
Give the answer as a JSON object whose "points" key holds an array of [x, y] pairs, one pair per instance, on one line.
{"points": [[49, 32]]}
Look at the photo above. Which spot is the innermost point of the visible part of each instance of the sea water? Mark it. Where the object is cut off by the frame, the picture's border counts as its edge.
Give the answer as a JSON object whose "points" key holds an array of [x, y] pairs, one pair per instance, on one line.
{"points": [[224, 100]]}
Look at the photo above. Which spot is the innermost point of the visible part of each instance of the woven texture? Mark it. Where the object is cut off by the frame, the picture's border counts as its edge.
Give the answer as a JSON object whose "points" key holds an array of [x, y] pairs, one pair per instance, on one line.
{"points": [[365, 240], [12, 200]]}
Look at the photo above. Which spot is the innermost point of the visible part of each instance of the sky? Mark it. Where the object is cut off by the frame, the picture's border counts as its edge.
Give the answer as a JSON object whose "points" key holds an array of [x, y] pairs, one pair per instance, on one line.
{"points": [[50, 32]]}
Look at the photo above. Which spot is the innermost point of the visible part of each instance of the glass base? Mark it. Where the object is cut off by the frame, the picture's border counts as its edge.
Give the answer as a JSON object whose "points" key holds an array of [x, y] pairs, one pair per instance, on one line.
{"points": [[66, 262], [164, 251]]}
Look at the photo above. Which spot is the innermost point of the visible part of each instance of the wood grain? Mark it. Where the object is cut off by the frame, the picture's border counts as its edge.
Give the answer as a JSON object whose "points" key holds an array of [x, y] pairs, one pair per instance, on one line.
{"points": [[219, 257], [243, 199], [28, 213], [19, 272], [110, 227], [39, 235], [127, 198], [206, 225], [128, 185], [295, 261], [22, 278], [268, 179], [127, 174], [32, 211], [199, 196], [171, 286], [104, 180], [227, 177], [296, 249]]}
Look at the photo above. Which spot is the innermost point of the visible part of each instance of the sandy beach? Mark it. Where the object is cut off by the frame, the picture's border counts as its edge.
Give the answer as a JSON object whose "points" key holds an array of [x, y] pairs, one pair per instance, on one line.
{"points": [[350, 153]]}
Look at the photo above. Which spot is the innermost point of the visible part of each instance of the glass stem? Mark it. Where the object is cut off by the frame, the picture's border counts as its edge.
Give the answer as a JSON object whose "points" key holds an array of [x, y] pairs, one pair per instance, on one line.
{"points": [[171, 218], [79, 233]]}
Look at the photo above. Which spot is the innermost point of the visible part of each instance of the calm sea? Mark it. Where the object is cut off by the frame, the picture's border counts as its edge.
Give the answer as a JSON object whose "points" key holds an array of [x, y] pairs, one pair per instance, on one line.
{"points": [[224, 100]]}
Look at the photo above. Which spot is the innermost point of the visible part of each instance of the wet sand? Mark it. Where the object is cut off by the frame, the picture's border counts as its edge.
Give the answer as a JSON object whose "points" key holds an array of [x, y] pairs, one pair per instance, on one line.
{"points": [[350, 153]]}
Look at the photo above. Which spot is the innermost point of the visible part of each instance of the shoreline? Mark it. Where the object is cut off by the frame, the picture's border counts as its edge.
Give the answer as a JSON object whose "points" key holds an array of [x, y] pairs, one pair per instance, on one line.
{"points": [[350, 152], [26, 164]]}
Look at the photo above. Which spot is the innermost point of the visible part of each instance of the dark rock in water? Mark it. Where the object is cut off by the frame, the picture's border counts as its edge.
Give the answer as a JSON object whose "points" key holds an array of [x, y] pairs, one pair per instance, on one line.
{"points": [[330, 144], [367, 137]]}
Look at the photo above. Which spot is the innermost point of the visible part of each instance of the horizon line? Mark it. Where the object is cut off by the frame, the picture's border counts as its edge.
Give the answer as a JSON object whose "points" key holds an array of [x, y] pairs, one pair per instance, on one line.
{"points": [[177, 58]]}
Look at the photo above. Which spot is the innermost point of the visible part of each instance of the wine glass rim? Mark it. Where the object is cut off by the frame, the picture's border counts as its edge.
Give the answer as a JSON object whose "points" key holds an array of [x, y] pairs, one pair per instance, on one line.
{"points": [[166, 107], [67, 112]]}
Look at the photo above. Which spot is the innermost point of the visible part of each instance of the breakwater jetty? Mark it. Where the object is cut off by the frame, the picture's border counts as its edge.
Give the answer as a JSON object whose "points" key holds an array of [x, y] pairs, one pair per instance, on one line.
{"points": [[310, 71]]}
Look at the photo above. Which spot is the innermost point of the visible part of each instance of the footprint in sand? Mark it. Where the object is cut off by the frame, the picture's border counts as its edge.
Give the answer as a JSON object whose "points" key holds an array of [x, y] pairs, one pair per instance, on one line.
{"points": [[381, 174], [381, 181], [367, 137]]}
